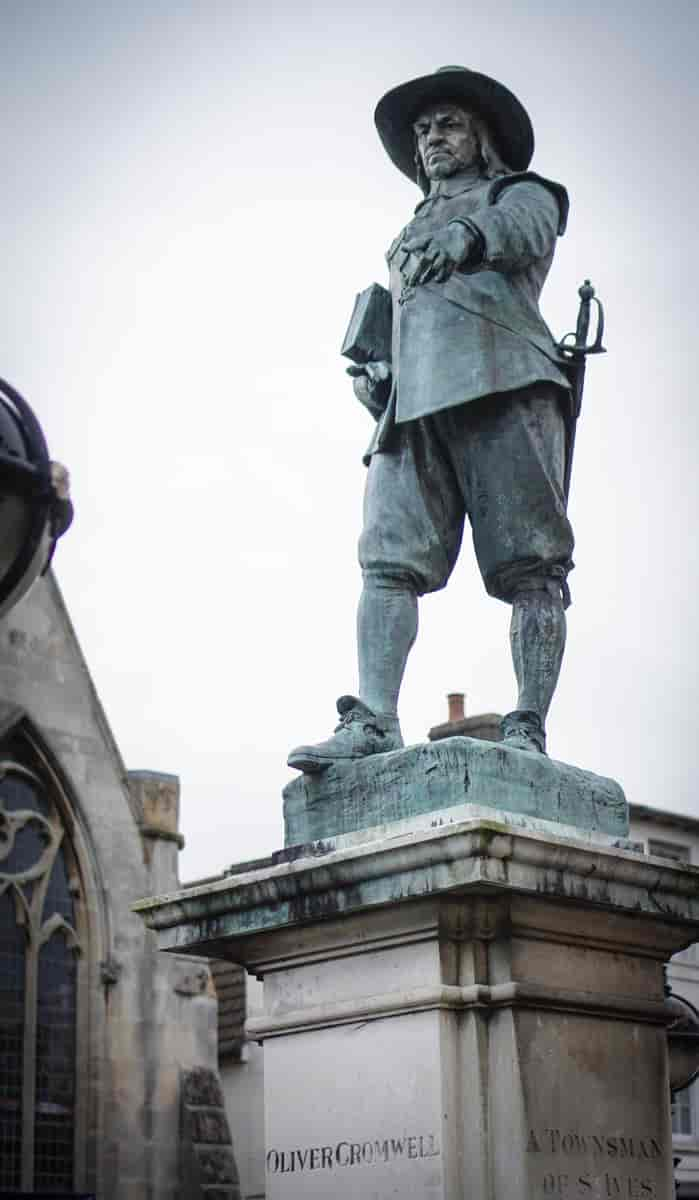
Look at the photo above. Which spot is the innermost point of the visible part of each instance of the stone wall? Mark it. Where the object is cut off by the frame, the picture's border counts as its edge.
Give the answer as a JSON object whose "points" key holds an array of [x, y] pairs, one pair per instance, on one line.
{"points": [[147, 1016], [208, 1168]]}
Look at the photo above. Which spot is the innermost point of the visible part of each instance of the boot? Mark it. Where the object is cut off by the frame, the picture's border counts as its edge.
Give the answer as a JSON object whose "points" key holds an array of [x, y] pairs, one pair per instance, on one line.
{"points": [[523, 730], [360, 733]]}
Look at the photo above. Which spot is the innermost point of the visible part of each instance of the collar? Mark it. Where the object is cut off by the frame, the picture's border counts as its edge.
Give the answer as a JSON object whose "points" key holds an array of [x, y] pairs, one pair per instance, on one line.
{"points": [[453, 185]]}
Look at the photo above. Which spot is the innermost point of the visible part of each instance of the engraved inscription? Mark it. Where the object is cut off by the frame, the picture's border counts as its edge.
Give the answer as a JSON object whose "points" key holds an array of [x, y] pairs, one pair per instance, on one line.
{"points": [[615, 1180], [353, 1154], [561, 1141], [599, 1187]]}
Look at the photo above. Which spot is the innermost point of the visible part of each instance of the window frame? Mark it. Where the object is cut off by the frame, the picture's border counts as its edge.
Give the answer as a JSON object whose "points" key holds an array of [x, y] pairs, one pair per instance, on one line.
{"points": [[62, 825], [686, 1139]]}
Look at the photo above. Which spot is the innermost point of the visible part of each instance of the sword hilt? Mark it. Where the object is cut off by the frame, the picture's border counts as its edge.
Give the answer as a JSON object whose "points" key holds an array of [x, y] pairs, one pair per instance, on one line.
{"points": [[579, 347]]}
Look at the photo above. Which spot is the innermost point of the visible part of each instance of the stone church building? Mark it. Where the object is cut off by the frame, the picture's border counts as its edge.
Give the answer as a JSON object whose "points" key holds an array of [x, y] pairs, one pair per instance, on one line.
{"points": [[125, 1074], [108, 1051]]}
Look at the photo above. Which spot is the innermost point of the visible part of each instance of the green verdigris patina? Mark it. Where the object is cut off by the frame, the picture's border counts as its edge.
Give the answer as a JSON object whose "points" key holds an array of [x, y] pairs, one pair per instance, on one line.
{"points": [[472, 402], [380, 790]]}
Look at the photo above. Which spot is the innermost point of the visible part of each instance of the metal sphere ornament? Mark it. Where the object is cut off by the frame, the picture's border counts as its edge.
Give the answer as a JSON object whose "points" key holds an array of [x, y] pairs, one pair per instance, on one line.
{"points": [[35, 506]]}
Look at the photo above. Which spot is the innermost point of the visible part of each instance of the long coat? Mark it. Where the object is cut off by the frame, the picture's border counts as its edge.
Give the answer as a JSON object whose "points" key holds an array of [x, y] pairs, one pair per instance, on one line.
{"points": [[479, 333]]}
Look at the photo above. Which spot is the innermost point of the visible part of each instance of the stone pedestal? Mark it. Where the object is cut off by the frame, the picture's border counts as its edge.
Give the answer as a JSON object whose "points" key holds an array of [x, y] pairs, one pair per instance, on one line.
{"points": [[440, 779], [468, 1009]]}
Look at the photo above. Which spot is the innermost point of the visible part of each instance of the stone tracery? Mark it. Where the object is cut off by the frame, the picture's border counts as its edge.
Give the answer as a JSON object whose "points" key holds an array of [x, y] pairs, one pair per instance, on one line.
{"points": [[39, 945]]}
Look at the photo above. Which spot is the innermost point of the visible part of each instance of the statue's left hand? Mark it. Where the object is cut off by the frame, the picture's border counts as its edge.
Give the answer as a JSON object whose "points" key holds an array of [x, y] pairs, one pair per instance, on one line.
{"points": [[438, 254], [371, 383]]}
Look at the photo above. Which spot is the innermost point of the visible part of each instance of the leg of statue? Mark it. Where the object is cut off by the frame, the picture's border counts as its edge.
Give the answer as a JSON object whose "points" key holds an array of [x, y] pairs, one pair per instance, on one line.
{"points": [[386, 631], [523, 538], [537, 638], [409, 544]]}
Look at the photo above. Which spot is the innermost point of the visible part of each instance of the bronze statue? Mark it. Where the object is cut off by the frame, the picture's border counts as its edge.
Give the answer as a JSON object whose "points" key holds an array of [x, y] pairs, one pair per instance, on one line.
{"points": [[472, 402]]}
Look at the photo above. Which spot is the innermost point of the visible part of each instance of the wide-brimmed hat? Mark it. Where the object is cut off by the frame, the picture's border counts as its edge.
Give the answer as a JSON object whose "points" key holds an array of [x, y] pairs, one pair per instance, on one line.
{"points": [[507, 119]]}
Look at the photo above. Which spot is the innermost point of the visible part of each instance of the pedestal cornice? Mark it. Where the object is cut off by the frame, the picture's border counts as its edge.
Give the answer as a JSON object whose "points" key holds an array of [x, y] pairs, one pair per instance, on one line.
{"points": [[464, 858]]}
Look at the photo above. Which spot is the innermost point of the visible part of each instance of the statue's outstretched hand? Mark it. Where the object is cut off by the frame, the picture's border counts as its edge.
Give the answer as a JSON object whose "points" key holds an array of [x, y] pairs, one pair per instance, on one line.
{"points": [[436, 255], [371, 383]]}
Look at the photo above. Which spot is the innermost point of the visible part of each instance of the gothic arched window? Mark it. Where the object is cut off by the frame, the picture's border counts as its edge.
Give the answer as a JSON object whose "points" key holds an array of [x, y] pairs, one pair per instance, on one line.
{"points": [[41, 917]]}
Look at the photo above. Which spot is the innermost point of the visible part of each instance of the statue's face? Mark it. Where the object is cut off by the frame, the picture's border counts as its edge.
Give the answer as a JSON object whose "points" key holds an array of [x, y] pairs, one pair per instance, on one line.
{"points": [[446, 141]]}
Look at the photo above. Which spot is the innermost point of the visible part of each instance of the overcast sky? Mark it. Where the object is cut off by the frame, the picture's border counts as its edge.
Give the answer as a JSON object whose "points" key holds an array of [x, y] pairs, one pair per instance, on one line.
{"points": [[193, 192]]}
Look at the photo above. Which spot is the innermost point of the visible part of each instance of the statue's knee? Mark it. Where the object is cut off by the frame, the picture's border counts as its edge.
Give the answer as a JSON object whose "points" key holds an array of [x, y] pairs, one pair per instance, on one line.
{"points": [[537, 589], [390, 581]]}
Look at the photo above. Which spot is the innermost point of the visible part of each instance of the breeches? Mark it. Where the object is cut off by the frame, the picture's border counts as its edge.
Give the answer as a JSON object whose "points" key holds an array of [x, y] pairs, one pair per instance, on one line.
{"points": [[499, 461]]}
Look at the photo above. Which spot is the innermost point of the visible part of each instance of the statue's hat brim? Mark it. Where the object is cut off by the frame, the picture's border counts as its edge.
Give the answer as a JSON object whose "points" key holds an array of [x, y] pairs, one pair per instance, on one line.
{"points": [[507, 119]]}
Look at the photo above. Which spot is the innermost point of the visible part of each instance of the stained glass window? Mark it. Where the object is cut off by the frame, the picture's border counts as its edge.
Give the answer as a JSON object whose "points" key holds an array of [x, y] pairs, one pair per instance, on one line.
{"points": [[12, 973], [39, 948]]}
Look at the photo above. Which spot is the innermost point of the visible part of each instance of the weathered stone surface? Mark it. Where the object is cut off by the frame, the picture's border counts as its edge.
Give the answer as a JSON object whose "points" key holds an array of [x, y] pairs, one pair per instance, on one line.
{"points": [[223, 918], [191, 980], [426, 778], [470, 1010], [134, 1032], [158, 796], [201, 1088], [216, 1164], [210, 1125], [207, 1163]]}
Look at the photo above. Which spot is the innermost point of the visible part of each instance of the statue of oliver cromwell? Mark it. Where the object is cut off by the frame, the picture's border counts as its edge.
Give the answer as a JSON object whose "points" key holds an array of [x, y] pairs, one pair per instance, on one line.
{"points": [[471, 410]]}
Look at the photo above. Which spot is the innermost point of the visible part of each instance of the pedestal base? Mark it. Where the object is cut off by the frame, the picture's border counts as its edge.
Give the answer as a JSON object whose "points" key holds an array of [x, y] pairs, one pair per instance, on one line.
{"points": [[455, 772], [473, 1012]]}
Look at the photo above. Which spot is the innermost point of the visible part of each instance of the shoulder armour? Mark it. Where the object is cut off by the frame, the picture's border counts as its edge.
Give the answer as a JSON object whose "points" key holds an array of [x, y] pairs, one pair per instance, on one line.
{"points": [[557, 189]]}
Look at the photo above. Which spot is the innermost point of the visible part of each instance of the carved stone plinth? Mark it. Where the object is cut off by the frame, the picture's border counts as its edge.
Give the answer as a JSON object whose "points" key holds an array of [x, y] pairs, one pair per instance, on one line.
{"points": [[457, 771], [471, 1011]]}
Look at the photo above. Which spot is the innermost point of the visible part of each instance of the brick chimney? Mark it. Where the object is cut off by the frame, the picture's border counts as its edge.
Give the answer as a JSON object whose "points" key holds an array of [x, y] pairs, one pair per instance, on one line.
{"points": [[485, 726]]}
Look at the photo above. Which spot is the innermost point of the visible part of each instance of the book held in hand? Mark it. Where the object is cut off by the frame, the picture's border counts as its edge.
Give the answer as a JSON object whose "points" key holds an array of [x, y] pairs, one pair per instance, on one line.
{"points": [[368, 337]]}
